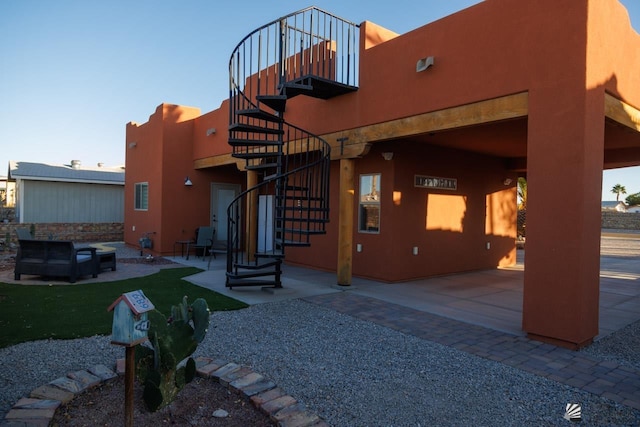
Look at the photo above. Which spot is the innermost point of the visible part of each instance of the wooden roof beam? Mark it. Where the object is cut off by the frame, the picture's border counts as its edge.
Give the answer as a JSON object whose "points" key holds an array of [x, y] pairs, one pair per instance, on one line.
{"points": [[621, 112], [356, 142]]}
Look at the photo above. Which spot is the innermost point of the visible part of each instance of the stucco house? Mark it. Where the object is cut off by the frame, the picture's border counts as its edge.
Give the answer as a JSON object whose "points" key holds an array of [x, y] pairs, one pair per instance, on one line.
{"points": [[350, 148], [48, 193]]}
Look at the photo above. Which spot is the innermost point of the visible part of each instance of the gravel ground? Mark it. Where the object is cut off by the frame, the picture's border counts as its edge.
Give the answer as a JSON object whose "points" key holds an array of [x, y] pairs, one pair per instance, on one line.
{"points": [[351, 372], [622, 347]]}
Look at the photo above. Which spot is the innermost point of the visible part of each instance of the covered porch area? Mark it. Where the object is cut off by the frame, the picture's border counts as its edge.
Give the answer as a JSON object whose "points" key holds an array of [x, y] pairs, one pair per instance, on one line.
{"points": [[492, 299]]}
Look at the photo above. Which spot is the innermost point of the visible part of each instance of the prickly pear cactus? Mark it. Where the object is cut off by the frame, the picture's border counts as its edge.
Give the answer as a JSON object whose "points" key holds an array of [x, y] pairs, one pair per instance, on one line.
{"points": [[164, 365]]}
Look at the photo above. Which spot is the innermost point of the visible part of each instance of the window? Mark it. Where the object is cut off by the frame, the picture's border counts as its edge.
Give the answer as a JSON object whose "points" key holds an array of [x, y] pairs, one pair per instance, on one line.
{"points": [[141, 196], [369, 206]]}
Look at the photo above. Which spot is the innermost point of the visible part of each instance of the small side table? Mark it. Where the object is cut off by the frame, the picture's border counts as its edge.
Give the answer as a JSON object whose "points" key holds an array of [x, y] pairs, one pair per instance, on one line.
{"points": [[107, 260], [182, 243]]}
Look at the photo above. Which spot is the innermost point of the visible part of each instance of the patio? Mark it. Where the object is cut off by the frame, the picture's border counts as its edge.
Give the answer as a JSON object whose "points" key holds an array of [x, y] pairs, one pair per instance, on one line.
{"points": [[492, 299]]}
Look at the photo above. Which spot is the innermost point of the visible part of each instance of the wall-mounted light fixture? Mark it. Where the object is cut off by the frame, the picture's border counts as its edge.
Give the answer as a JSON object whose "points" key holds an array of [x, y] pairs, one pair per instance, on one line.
{"points": [[387, 155], [507, 181], [133, 144], [211, 131], [187, 182], [424, 63]]}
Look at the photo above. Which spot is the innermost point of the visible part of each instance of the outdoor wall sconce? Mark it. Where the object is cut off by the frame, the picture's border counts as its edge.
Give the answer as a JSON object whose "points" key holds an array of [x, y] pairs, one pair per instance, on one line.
{"points": [[133, 144], [211, 131], [387, 155], [187, 182], [424, 63]]}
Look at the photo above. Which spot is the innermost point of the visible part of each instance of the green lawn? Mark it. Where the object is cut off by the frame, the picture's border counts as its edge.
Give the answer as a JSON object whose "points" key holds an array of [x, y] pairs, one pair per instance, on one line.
{"points": [[35, 312]]}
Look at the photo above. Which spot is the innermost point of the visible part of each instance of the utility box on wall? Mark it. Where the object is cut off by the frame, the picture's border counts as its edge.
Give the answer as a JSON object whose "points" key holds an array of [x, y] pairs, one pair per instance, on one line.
{"points": [[130, 324]]}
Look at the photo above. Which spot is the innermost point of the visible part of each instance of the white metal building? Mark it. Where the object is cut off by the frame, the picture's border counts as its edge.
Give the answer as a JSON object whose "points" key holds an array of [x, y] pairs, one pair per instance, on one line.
{"points": [[67, 193]]}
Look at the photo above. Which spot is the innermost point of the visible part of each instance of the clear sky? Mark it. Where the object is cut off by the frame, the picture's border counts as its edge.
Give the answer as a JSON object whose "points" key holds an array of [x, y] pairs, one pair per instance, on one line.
{"points": [[74, 72]]}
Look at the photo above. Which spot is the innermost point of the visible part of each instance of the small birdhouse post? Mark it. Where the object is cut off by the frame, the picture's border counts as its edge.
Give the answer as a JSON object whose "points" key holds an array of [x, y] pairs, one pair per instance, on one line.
{"points": [[130, 324]]}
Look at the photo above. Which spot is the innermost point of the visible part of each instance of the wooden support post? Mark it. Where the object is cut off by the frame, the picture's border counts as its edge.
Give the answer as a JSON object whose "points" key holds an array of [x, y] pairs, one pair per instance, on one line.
{"points": [[129, 369], [345, 222], [252, 217]]}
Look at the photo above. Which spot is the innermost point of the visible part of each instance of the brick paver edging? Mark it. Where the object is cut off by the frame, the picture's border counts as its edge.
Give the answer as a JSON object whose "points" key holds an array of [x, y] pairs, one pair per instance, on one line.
{"points": [[604, 378], [39, 408]]}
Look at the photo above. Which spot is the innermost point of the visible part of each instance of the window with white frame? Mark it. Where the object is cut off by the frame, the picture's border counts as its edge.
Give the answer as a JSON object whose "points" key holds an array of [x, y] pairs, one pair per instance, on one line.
{"points": [[369, 204], [141, 196]]}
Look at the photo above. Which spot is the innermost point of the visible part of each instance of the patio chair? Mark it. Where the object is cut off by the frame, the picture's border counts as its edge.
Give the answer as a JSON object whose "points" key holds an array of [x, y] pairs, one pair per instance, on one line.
{"points": [[204, 240], [219, 247]]}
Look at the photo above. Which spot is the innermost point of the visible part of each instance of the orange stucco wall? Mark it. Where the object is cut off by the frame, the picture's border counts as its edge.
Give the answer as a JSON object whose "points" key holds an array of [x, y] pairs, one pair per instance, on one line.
{"points": [[494, 48], [446, 242], [564, 54], [215, 143], [160, 152], [610, 38]]}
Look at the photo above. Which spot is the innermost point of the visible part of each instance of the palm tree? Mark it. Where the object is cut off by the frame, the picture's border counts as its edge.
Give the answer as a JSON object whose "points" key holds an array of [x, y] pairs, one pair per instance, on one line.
{"points": [[618, 190], [522, 193]]}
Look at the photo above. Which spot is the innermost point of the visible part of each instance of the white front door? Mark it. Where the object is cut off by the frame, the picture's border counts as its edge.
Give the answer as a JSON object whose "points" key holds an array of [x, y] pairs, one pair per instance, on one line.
{"points": [[221, 196]]}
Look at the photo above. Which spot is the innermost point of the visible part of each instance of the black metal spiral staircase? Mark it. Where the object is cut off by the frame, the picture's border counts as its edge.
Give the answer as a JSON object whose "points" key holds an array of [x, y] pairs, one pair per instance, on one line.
{"points": [[309, 52]]}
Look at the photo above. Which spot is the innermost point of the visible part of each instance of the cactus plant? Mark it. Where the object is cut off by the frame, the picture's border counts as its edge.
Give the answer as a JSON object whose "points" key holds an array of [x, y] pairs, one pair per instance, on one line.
{"points": [[163, 364]]}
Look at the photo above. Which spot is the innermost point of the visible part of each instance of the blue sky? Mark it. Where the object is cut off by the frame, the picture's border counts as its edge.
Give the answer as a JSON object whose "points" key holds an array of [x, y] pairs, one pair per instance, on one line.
{"points": [[74, 72]]}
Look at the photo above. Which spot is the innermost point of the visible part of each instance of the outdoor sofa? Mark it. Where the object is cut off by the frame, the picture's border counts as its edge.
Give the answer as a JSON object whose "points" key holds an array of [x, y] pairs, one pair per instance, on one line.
{"points": [[55, 258]]}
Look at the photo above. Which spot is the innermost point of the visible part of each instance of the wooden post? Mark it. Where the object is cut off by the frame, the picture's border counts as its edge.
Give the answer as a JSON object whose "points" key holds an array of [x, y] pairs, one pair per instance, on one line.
{"points": [[129, 369], [345, 222], [251, 216]]}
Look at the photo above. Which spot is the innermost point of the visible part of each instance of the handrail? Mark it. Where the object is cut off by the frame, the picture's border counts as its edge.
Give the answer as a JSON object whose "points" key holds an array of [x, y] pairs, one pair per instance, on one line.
{"points": [[288, 16], [309, 41], [316, 170], [281, 59]]}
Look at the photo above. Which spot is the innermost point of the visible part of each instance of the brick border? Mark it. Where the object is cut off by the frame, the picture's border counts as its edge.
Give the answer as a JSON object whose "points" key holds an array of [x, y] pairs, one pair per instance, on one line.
{"points": [[39, 408], [611, 380]]}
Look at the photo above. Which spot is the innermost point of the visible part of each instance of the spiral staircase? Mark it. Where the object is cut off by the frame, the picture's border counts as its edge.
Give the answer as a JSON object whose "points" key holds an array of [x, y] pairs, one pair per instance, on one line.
{"points": [[309, 52]]}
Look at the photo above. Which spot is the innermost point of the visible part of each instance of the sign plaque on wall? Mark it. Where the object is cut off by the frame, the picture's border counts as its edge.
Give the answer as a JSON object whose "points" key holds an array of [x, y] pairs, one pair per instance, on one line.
{"points": [[435, 182]]}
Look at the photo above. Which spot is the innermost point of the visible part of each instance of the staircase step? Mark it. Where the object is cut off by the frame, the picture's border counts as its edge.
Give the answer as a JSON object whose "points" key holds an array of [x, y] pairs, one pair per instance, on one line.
{"points": [[295, 89], [242, 127], [322, 88], [251, 274], [303, 231], [295, 243], [257, 113], [261, 166], [276, 102], [270, 255], [292, 89], [261, 265], [296, 188], [297, 84], [253, 155], [304, 208], [303, 198], [241, 142], [238, 282], [313, 220]]}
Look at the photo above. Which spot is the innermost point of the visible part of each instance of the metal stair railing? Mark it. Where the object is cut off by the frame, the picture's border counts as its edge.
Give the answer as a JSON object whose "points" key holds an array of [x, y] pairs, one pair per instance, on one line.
{"points": [[310, 52], [301, 210], [307, 42]]}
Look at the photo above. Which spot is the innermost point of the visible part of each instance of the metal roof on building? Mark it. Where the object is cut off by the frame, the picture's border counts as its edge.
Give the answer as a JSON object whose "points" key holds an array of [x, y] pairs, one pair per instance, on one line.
{"points": [[66, 173]]}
